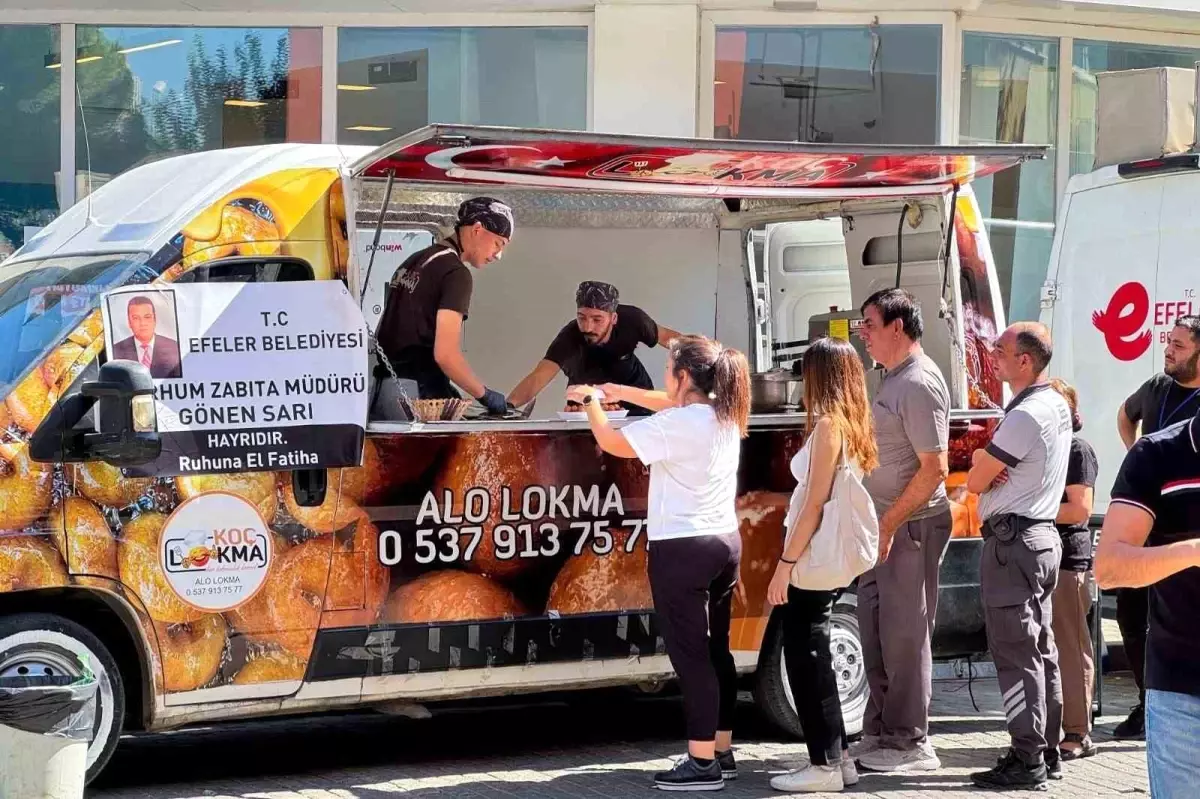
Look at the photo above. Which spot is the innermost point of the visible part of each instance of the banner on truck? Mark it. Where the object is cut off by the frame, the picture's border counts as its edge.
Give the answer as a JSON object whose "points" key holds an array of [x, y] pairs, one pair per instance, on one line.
{"points": [[249, 376]]}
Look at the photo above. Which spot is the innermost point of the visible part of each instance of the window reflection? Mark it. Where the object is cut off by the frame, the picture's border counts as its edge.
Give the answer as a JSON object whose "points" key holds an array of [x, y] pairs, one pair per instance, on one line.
{"points": [[149, 93], [29, 131], [1010, 96], [1090, 58], [855, 85], [395, 80]]}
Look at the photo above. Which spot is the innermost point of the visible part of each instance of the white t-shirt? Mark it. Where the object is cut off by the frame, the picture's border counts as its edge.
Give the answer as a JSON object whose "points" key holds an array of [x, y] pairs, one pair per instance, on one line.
{"points": [[693, 462]]}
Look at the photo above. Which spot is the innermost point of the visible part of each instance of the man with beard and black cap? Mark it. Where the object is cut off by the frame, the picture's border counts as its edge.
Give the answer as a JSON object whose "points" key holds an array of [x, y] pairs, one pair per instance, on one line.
{"points": [[428, 298], [598, 347], [1163, 400]]}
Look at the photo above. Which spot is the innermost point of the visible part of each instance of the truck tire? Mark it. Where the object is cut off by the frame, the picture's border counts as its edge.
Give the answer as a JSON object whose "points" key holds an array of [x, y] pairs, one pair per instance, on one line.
{"points": [[772, 691], [45, 644]]}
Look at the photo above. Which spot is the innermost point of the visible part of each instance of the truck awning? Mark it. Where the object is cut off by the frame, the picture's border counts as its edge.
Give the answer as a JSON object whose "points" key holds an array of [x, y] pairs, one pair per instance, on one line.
{"points": [[548, 159]]}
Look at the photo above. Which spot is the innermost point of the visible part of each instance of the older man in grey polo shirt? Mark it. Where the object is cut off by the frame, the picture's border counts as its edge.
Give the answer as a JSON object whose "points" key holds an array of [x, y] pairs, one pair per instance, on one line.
{"points": [[897, 600], [1020, 478]]}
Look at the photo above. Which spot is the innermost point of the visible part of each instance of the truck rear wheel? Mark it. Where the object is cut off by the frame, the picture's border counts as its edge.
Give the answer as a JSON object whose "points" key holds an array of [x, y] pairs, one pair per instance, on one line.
{"points": [[772, 690], [33, 644]]}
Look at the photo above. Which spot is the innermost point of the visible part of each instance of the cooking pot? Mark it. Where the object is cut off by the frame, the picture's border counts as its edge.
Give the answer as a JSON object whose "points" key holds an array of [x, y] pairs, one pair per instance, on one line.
{"points": [[773, 391]]}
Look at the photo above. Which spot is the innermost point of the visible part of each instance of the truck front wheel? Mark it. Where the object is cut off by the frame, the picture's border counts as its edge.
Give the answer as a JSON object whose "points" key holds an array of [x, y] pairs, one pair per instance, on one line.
{"points": [[772, 689], [37, 644]]}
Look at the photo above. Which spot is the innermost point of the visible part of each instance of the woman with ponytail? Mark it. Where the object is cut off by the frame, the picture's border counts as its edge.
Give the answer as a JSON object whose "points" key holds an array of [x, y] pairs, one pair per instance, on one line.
{"points": [[840, 433], [692, 446]]}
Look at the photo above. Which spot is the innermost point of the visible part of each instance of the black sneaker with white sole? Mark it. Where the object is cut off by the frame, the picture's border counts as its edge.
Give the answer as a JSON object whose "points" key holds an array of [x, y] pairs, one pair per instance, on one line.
{"points": [[728, 766], [1013, 773], [688, 775]]}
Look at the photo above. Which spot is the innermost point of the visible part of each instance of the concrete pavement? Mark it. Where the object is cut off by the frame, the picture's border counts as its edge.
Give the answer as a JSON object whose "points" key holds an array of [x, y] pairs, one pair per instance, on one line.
{"points": [[596, 746]]}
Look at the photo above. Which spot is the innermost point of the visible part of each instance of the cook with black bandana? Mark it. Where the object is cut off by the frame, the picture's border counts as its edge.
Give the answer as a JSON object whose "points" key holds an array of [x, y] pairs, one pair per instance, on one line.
{"points": [[598, 347], [428, 299]]}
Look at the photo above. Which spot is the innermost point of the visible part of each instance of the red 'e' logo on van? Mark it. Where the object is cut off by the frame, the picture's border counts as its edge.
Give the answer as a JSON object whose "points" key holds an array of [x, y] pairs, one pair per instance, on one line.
{"points": [[1125, 315]]}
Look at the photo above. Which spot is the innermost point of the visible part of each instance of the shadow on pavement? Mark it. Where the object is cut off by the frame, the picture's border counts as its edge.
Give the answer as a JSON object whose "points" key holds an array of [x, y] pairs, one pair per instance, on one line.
{"points": [[292, 747]]}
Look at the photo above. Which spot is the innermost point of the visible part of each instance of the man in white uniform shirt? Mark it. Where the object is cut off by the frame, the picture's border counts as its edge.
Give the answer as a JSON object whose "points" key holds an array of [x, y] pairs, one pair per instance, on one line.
{"points": [[1020, 477]]}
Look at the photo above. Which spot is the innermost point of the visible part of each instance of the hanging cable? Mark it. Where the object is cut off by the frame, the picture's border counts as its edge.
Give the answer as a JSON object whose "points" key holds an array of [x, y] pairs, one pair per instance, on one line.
{"points": [[900, 243]]}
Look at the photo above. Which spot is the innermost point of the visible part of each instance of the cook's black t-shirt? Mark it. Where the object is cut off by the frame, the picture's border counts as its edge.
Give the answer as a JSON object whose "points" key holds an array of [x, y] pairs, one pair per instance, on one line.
{"points": [[1161, 396], [610, 362], [1082, 468], [428, 281], [1161, 475]]}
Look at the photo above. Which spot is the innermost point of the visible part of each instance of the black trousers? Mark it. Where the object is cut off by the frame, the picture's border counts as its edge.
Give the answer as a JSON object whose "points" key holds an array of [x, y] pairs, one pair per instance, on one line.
{"points": [[692, 581], [1133, 617], [810, 673]]}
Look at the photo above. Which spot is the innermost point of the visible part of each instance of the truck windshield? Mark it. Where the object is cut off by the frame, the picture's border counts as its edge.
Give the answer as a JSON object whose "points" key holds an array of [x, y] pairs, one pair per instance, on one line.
{"points": [[42, 301]]}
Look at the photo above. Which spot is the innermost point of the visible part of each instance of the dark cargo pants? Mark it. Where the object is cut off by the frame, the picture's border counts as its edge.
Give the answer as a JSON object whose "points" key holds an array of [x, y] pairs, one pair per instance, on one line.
{"points": [[897, 606], [1017, 579]]}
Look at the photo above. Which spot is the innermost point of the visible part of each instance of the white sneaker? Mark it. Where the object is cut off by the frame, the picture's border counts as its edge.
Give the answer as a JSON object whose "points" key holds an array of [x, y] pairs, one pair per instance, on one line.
{"points": [[868, 743], [849, 772], [810, 779], [899, 761]]}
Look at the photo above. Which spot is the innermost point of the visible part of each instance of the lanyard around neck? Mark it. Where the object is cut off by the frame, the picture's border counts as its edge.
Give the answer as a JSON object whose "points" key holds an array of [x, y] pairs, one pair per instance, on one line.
{"points": [[1162, 408]]}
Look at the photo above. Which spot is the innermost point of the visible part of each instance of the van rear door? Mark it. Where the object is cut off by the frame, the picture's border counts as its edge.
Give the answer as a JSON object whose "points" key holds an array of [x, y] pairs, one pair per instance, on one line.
{"points": [[1103, 274], [807, 274]]}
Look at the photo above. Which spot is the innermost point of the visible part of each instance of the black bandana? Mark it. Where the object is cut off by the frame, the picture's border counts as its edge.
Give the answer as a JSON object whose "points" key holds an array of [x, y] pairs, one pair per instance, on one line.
{"points": [[596, 295], [494, 215]]}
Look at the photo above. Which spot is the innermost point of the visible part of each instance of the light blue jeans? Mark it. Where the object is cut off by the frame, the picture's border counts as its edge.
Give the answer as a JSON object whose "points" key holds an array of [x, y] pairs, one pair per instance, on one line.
{"points": [[1172, 730]]}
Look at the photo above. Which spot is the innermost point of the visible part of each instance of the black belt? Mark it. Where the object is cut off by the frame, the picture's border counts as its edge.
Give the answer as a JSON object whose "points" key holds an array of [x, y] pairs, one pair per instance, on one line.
{"points": [[1005, 527]]}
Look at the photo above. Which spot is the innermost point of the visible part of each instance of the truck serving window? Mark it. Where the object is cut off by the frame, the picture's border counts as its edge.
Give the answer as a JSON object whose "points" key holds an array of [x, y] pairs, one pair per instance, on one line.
{"points": [[42, 301]]}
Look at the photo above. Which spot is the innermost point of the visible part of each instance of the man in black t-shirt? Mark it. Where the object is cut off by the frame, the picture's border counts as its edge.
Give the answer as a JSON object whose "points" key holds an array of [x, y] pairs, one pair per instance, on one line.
{"points": [[1161, 401], [428, 299], [598, 347], [1151, 538]]}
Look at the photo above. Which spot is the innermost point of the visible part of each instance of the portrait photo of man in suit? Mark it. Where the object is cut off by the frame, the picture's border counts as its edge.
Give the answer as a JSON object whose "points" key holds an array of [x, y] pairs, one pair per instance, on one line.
{"points": [[159, 353]]}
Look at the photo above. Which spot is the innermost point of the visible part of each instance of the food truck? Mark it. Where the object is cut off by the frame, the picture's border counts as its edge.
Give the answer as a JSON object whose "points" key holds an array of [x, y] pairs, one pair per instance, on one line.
{"points": [[219, 531]]}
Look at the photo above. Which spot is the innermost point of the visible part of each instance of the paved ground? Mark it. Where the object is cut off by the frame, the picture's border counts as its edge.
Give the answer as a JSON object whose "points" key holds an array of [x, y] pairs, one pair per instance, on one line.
{"points": [[590, 746]]}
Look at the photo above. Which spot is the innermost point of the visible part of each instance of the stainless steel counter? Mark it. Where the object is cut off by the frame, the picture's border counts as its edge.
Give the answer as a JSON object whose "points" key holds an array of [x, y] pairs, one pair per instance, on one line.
{"points": [[757, 421]]}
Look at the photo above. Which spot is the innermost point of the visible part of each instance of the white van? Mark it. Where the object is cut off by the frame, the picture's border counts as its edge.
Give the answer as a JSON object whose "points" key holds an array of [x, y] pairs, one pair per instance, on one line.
{"points": [[1122, 270]]}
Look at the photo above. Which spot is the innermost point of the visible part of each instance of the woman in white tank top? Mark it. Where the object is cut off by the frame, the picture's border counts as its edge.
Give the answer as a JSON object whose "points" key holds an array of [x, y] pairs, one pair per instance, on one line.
{"points": [[835, 396]]}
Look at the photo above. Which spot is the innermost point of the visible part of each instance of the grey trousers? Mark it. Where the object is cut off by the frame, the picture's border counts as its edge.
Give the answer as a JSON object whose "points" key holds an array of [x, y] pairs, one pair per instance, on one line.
{"points": [[897, 607], [1017, 580]]}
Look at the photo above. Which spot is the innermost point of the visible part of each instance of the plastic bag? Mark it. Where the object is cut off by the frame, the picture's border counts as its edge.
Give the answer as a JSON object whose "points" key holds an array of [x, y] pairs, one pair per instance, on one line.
{"points": [[63, 707]]}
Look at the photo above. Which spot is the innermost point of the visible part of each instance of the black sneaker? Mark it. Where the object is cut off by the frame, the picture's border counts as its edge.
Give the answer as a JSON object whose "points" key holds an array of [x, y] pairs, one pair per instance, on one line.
{"points": [[1012, 773], [1054, 769], [1134, 727], [727, 764], [688, 775]]}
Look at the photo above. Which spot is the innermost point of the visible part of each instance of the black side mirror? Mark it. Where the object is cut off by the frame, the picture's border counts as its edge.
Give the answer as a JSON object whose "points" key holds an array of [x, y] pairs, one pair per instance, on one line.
{"points": [[126, 431]]}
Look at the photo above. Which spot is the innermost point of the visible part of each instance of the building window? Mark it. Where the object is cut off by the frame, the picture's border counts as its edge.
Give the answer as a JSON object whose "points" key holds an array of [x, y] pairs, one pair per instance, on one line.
{"points": [[395, 80], [852, 85], [1090, 58], [1010, 96], [149, 93], [29, 131]]}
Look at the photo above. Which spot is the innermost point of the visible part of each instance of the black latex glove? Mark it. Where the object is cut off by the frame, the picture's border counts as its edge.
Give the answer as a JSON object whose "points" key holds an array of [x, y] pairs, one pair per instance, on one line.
{"points": [[494, 401]]}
